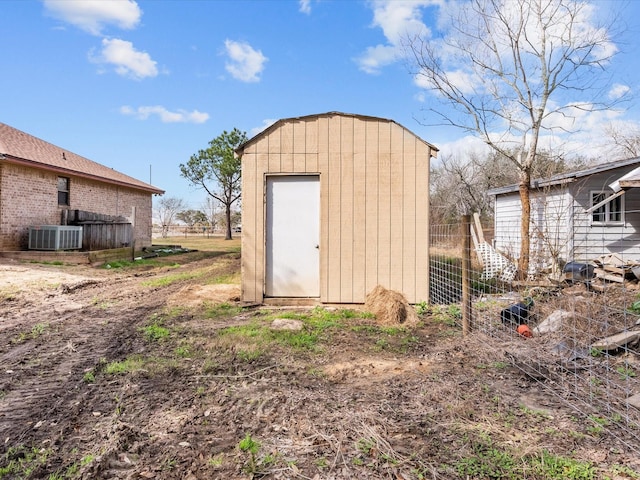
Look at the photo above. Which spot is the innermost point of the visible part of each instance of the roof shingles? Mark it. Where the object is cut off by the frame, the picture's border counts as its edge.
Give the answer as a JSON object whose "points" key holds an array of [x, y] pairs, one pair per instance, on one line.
{"points": [[19, 147]]}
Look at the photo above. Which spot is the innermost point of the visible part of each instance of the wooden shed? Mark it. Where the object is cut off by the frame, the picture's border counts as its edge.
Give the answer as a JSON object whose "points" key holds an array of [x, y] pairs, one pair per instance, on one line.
{"points": [[333, 205]]}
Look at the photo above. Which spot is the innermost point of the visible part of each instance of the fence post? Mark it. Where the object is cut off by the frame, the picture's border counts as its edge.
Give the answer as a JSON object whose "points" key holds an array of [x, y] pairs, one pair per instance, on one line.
{"points": [[466, 268]]}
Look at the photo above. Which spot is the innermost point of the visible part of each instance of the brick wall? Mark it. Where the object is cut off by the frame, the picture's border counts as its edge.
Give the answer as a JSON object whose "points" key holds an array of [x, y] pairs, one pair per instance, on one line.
{"points": [[29, 197]]}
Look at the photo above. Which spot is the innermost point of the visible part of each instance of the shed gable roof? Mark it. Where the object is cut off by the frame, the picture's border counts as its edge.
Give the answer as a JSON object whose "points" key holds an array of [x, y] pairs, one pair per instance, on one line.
{"points": [[282, 121], [19, 147], [569, 176]]}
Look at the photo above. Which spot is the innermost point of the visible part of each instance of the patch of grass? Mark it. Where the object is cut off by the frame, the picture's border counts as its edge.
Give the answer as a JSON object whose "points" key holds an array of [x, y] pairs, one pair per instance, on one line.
{"points": [[182, 351], [489, 460], [598, 424], [450, 315], [422, 308], [554, 467], [37, 330], [249, 354], [322, 462], [365, 445], [226, 279], [625, 372], [101, 304], [221, 310], [392, 339], [251, 340], [624, 470], [170, 279], [20, 461], [202, 243], [251, 446], [89, 377], [8, 294], [155, 332], [216, 461], [130, 264], [128, 365], [323, 318]]}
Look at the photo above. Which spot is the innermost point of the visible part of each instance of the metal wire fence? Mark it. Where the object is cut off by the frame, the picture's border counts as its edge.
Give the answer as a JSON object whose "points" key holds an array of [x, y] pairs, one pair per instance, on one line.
{"points": [[580, 343]]}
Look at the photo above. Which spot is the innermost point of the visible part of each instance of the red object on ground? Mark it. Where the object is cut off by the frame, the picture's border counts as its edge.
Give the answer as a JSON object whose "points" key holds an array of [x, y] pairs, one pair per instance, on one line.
{"points": [[525, 331]]}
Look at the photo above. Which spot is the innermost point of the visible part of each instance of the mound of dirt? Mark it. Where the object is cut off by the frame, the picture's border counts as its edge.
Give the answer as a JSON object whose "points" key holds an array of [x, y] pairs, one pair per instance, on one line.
{"points": [[197, 295]]}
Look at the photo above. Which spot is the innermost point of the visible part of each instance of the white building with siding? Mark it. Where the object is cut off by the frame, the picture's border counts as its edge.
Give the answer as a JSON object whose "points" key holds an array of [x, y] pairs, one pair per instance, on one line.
{"points": [[577, 216]]}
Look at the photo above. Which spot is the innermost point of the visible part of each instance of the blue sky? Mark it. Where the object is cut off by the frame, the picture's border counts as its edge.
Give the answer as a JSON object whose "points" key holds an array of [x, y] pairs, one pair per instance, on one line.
{"points": [[140, 86]]}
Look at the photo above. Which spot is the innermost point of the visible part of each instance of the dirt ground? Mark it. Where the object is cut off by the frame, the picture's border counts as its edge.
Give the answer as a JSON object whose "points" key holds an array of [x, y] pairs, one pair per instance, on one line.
{"points": [[133, 373]]}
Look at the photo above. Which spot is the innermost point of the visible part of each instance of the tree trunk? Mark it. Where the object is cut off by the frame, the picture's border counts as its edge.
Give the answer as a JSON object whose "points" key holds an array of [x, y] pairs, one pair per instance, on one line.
{"points": [[525, 200], [228, 216]]}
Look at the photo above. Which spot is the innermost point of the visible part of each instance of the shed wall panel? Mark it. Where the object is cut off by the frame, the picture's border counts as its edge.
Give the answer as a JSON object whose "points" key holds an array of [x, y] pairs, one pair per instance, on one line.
{"points": [[248, 274], [325, 181], [347, 179], [384, 206], [396, 208], [359, 265], [409, 197], [335, 211], [371, 216]]}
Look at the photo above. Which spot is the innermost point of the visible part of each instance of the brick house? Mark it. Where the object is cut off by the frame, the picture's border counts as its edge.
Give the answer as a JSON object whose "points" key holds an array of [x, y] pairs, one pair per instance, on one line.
{"points": [[40, 184]]}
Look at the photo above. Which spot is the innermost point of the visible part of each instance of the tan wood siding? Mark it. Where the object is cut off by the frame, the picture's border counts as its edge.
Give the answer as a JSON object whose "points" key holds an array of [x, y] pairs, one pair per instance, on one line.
{"points": [[373, 203], [345, 226], [371, 218], [384, 206], [325, 181], [359, 265]]}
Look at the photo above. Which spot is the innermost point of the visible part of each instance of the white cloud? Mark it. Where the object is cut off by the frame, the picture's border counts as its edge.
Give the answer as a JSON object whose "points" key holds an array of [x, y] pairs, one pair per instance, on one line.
{"points": [[266, 123], [127, 61], [93, 16], [165, 116], [618, 91], [305, 6], [246, 64], [466, 82], [397, 19], [375, 58]]}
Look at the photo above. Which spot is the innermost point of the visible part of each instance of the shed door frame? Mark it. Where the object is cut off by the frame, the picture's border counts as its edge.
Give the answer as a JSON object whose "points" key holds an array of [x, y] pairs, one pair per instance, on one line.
{"points": [[292, 259]]}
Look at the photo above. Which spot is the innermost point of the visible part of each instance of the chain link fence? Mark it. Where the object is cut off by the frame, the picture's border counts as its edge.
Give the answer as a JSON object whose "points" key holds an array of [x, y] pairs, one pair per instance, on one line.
{"points": [[581, 344]]}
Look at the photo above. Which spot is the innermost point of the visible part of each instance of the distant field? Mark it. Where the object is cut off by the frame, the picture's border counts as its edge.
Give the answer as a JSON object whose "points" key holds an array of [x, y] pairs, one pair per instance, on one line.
{"points": [[213, 243]]}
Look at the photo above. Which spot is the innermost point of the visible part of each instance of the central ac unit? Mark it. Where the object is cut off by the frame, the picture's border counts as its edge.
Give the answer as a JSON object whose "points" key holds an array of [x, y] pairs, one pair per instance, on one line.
{"points": [[55, 237]]}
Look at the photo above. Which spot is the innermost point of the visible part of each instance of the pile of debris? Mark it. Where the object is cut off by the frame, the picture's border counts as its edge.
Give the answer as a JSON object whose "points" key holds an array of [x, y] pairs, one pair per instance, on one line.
{"points": [[607, 268]]}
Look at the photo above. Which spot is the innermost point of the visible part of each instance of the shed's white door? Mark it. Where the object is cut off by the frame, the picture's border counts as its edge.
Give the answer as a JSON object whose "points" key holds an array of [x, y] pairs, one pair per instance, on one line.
{"points": [[293, 236]]}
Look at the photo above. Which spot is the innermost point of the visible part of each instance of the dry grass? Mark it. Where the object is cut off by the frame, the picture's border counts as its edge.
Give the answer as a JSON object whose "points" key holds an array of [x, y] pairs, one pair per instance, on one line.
{"points": [[202, 243], [390, 307]]}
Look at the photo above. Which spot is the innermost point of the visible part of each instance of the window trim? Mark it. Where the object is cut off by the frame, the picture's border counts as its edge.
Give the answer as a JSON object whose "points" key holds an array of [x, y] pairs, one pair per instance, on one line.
{"points": [[605, 209], [67, 192]]}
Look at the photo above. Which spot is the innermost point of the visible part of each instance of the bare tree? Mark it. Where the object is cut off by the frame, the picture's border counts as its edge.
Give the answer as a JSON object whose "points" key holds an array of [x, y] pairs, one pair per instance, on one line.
{"points": [[166, 210], [459, 184], [626, 143], [211, 208], [505, 66]]}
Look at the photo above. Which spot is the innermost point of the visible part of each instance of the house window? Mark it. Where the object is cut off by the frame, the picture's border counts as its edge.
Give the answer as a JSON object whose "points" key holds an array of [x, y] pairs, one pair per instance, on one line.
{"points": [[610, 212], [63, 191]]}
